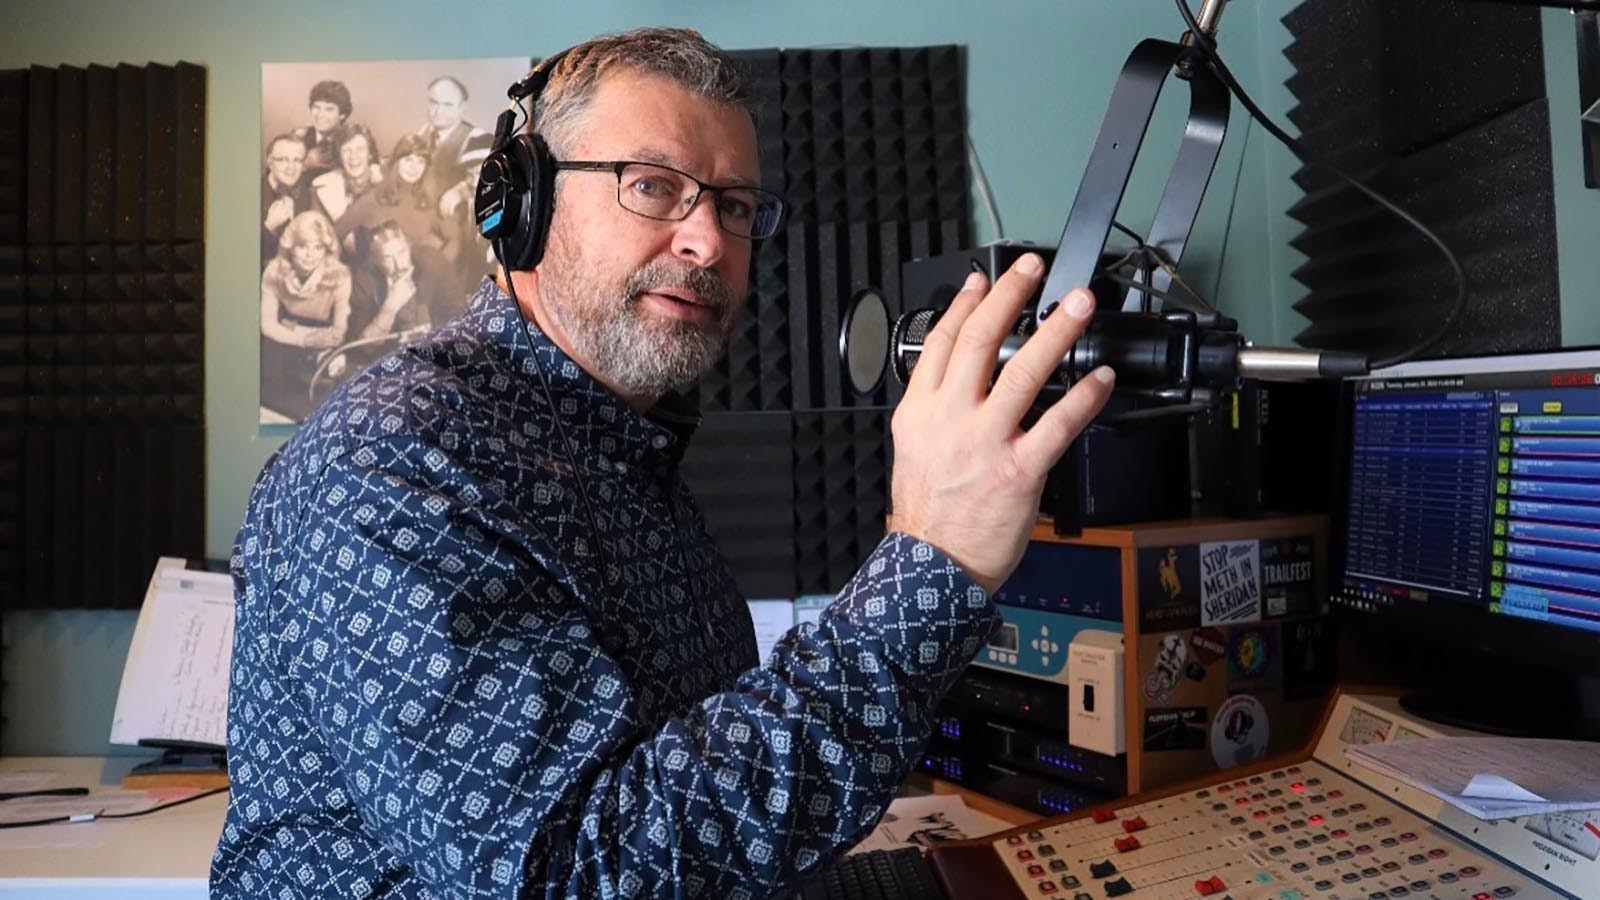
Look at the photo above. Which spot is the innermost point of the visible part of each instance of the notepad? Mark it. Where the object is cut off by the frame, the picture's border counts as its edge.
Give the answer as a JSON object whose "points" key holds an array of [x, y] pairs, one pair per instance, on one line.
{"points": [[1490, 777], [175, 681]]}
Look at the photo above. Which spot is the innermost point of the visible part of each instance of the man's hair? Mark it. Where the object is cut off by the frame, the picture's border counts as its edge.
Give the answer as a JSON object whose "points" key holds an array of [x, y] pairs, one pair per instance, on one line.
{"points": [[387, 230], [679, 55], [286, 138], [351, 132], [451, 79], [332, 92]]}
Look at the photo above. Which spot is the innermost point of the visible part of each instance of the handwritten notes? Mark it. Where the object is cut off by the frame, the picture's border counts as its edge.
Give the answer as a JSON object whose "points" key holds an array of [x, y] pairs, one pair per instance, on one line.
{"points": [[175, 680]]}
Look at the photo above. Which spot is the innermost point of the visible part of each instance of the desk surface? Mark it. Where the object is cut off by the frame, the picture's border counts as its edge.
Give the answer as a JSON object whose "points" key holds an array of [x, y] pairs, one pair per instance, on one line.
{"points": [[165, 854]]}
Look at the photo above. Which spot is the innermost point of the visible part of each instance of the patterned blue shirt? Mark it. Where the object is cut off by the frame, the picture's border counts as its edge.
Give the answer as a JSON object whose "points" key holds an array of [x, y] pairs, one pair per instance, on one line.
{"points": [[468, 663]]}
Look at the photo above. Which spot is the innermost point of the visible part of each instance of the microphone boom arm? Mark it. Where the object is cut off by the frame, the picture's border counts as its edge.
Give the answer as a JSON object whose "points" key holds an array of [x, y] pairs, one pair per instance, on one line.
{"points": [[1116, 149]]}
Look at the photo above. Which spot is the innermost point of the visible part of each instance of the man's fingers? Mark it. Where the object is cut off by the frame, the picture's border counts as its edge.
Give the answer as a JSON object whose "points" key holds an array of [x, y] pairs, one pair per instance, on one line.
{"points": [[1041, 447], [978, 346], [936, 347], [1036, 362]]}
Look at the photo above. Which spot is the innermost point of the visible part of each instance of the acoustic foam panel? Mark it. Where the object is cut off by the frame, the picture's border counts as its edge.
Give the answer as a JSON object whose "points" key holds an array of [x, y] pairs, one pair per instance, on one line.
{"points": [[1380, 90], [101, 329]]}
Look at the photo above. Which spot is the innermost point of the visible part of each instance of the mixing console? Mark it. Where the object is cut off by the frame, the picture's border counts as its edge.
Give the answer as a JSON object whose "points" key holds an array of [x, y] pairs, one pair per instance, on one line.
{"points": [[1304, 831]]}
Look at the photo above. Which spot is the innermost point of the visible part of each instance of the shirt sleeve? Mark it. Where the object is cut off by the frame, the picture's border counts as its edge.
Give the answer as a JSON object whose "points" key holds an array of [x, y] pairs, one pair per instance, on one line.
{"points": [[492, 745]]}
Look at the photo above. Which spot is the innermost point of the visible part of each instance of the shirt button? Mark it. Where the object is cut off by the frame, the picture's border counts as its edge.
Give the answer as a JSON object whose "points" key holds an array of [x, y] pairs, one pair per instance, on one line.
{"points": [[660, 441]]}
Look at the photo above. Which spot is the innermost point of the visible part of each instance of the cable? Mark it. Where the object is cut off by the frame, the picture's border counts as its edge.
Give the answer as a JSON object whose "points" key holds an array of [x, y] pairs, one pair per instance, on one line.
{"points": [[1129, 232], [982, 181], [1227, 225], [1306, 155], [567, 454], [1152, 255], [90, 817], [1141, 286]]}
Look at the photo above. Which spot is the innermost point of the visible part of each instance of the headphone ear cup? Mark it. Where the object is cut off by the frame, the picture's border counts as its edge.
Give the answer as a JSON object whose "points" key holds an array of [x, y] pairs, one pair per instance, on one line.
{"points": [[497, 205], [540, 168], [515, 197]]}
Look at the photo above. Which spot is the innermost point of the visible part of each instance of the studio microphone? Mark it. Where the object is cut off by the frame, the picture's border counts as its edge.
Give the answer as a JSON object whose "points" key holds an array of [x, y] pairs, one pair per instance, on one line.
{"points": [[1165, 356]]}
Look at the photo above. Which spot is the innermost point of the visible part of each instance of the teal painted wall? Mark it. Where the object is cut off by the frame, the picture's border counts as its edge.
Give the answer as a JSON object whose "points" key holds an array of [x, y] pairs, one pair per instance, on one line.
{"points": [[1039, 73]]}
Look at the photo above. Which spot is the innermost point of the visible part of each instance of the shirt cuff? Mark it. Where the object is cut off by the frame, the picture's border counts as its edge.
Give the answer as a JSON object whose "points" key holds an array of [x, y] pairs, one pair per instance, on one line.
{"points": [[930, 615]]}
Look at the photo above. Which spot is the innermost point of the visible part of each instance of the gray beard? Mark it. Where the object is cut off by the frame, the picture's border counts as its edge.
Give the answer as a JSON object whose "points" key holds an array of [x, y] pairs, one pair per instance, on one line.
{"points": [[640, 354]]}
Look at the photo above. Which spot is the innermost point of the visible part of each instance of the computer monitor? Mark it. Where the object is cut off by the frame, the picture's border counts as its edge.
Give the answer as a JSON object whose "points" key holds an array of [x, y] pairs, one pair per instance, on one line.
{"points": [[1469, 514]]}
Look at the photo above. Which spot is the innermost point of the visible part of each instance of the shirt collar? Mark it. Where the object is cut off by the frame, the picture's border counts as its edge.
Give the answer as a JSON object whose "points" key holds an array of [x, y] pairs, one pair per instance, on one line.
{"points": [[594, 417]]}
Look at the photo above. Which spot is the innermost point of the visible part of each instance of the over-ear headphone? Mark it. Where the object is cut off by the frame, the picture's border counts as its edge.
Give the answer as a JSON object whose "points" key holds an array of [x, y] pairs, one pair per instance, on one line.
{"points": [[516, 185]]}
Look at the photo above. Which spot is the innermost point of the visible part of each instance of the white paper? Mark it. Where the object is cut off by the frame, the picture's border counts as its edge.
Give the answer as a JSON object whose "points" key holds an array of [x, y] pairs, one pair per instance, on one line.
{"points": [[925, 821], [1493, 778], [773, 619], [175, 680], [809, 607]]}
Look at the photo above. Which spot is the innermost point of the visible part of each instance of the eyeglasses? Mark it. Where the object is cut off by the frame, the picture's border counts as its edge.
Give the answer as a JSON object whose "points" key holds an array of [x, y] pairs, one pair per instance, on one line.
{"points": [[666, 194]]}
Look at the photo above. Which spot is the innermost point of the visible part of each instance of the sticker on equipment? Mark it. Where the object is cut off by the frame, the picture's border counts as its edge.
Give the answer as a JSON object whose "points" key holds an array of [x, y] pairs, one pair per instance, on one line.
{"points": [[1239, 732], [1230, 582]]}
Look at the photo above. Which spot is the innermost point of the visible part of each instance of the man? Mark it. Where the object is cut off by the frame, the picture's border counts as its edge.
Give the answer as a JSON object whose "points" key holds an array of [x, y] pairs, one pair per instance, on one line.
{"points": [[402, 291], [458, 150], [484, 645], [283, 192], [459, 147], [330, 106]]}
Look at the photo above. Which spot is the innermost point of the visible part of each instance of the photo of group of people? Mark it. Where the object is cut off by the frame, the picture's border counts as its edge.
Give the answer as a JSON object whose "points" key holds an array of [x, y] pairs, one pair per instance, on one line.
{"points": [[367, 241]]}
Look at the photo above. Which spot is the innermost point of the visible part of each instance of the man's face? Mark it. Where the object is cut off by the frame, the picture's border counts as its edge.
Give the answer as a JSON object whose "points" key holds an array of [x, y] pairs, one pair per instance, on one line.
{"points": [[355, 156], [394, 255], [444, 105], [286, 161], [325, 116], [646, 304]]}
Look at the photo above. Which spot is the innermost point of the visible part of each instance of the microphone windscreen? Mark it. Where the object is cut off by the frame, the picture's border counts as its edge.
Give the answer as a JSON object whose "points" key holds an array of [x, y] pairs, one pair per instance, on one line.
{"points": [[905, 344]]}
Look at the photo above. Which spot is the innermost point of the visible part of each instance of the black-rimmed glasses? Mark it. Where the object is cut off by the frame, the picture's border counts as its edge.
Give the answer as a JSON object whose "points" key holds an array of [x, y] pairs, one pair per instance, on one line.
{"points": [[664, 193]]}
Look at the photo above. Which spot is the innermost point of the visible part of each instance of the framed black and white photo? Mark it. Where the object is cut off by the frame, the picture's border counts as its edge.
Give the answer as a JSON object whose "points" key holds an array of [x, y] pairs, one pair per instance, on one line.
{"points": [[367, 178]]}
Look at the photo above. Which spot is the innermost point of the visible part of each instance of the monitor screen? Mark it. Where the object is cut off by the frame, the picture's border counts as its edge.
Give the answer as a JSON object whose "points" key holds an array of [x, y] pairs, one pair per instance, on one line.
{"points": [[1471, 496]]}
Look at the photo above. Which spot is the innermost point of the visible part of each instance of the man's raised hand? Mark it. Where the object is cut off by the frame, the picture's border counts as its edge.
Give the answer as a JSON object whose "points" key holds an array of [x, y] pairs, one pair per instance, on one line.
{"points": [[967, 478]]}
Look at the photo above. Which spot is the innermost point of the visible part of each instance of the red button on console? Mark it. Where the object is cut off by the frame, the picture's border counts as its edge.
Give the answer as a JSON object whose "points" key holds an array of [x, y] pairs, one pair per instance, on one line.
{"points": [[1104, 815], [1134, 824], [1125, 844]]}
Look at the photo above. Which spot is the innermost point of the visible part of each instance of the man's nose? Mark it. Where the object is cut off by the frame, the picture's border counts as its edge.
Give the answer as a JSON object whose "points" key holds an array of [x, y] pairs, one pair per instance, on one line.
{"points": [[699, 237]]}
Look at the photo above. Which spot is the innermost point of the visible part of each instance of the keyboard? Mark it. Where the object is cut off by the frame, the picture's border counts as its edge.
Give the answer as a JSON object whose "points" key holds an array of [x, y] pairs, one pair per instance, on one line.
{"points": [[900, 874]]}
